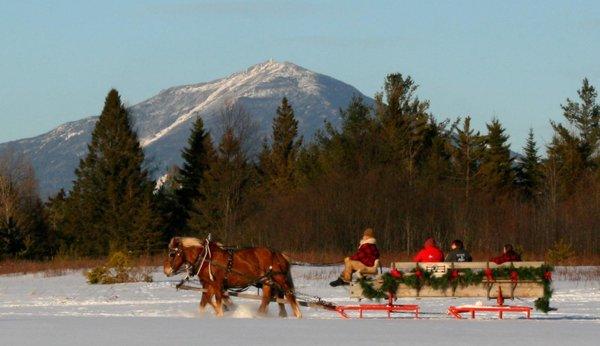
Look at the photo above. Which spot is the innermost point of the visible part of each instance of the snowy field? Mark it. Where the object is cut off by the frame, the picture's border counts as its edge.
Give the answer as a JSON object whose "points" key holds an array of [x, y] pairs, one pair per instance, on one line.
{"points": [[65, 310]]}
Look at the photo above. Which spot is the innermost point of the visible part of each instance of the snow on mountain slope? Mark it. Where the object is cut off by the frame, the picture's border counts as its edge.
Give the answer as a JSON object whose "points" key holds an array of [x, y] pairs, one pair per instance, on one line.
{"points": [[163, 121]]}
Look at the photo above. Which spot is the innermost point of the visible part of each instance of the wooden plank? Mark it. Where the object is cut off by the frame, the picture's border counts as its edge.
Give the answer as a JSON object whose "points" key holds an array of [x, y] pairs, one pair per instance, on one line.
{"points": [[523, 289]]}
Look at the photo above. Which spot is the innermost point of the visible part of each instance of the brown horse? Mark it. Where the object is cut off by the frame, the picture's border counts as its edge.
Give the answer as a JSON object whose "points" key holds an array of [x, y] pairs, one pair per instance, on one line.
{"points": [[219, 269]]}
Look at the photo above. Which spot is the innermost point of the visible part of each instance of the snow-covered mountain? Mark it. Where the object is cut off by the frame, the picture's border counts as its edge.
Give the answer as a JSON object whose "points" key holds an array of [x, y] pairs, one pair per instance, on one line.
{"points": [[163, 122]]}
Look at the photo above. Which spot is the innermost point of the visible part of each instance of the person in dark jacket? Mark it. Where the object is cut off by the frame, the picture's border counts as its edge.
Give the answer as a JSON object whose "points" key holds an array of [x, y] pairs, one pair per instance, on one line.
{"points": [[508, 255], [458, 253], [430, 252], [365, 257]]}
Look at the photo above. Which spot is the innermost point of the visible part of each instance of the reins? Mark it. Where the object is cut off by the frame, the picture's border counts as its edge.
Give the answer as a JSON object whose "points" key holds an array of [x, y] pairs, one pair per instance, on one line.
{"points": [[207, 254]]}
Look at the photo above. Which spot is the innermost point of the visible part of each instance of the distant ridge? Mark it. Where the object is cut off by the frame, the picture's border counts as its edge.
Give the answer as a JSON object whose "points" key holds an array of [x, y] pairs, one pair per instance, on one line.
{"points": [[163, 121]]}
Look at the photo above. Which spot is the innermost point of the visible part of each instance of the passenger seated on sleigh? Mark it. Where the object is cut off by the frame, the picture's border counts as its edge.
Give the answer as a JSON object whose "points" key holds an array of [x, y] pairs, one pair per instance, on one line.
{"points": [[363, 259], [430, 252], [458, 253], [508, 255]]}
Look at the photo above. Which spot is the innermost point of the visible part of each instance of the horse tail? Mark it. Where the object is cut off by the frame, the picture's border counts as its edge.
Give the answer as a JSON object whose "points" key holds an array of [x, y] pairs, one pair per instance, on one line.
{"points": [[287, 269], [289, 279]]}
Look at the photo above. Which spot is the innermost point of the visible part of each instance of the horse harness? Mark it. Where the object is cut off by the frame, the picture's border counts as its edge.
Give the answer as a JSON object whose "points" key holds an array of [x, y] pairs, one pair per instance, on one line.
{"points": [[206, 257], [229, 267]]}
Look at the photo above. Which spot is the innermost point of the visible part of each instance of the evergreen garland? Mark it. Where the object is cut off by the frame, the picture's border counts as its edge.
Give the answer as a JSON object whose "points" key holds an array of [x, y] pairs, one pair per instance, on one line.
{"points": [[459, 277]]}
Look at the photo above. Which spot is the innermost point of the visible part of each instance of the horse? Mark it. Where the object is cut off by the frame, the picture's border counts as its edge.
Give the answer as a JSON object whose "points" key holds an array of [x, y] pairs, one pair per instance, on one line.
{"points": [[219, 269]]}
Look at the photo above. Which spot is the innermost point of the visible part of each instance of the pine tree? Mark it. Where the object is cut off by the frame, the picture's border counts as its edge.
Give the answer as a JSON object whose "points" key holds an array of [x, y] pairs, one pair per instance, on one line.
{"points": [[110, 206], [403, 118], [568, 159], [435, 163], [353, 148], [167, 205], [278, 160], [497, 174], [197, 157], [585, 116], [467, 156], [55, 217], [224, 189], [574, 153], [529, 170]]}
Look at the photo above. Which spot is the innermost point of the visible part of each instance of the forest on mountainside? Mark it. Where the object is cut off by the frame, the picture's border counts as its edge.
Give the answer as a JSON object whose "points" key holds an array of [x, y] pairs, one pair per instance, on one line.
{"points": [[394, 167]]}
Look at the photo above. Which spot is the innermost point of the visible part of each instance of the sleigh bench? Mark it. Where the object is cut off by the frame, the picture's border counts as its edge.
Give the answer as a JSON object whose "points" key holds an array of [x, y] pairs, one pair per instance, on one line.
{"points": [[461, 280], [487, 288]]}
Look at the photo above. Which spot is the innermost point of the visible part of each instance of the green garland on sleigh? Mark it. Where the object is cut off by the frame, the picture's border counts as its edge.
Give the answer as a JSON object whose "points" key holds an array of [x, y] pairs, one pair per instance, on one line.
{"points": [[459, 277]]}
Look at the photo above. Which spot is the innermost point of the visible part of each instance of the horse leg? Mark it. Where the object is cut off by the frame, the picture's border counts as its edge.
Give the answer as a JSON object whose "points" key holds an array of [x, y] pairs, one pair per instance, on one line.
{"points": [[227, 303], [219, 303], [206, 298], [266, 298], [282, 311], [287, 287], [293, 303]]}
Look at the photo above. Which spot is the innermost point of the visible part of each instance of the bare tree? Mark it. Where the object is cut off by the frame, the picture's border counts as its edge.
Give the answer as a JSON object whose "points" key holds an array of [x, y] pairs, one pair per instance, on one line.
{"points": [[18, 200], [233, 116]]}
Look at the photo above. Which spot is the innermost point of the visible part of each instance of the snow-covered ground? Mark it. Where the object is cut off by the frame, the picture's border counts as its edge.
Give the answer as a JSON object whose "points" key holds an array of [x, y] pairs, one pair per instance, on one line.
{"points": [[65, 310]]}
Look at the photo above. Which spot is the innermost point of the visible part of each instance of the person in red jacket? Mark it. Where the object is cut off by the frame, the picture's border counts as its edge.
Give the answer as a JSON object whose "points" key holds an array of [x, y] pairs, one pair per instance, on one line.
{"points": [[430, 252], [363, 258], [508, 255]]}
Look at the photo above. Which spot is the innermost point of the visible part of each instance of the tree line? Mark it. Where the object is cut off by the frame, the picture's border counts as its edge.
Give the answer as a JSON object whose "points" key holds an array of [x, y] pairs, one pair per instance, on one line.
{"points": [[392, 166]]}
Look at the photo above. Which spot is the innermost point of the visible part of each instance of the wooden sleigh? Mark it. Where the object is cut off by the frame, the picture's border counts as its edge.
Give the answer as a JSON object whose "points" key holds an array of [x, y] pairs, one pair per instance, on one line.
{"points": [[495, 288]]}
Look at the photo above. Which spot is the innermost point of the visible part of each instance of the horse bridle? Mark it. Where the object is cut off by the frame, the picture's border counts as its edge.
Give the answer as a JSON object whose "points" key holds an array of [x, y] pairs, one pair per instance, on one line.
{"points": [[174, 253]]}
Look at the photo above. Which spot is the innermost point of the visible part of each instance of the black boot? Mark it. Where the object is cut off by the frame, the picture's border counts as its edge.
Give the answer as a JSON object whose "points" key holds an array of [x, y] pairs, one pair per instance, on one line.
{"points": [[337, 282]]}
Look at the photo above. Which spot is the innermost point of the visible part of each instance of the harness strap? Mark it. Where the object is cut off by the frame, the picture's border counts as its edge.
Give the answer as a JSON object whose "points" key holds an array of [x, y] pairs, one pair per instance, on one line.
{"points": [[229, 267], [207, 255], [207, 258]]}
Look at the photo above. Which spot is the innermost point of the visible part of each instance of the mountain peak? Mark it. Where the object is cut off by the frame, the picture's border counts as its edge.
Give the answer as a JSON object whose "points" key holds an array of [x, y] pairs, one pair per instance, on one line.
{"points": [[163, 121], [273, 66]]}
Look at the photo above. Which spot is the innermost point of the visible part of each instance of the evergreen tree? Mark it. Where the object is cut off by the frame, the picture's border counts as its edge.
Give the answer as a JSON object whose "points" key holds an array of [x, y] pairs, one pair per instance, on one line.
{"points": [[167, 205], [575, 153], [497, 174], [435, 163], [467, 156], [568, 158], [585, 117], [403, 118], [353, 148], [278, 161], [197, 157], [55, 215], [224, 189], [111, 206], [529, 170]]}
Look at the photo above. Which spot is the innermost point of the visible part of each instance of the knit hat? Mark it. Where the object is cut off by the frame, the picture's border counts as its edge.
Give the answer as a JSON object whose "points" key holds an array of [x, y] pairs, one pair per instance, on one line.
{"points": [[429, 242], [369, 233]]}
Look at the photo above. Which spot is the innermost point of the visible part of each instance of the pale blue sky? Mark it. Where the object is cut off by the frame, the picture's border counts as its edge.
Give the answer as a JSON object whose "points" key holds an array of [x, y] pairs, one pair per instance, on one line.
{"points": [[517, 60]]}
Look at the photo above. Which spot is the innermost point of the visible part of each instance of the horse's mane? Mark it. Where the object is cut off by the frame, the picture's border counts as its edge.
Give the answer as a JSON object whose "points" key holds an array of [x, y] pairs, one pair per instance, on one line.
{"points": [[187, 241], [193, 241]]}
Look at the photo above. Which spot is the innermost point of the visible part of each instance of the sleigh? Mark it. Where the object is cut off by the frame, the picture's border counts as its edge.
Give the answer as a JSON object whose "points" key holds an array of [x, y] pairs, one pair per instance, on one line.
{"points": [[461, 280]]}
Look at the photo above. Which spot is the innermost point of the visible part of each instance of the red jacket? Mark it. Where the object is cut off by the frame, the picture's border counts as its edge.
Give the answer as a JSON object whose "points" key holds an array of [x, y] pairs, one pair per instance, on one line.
{"points": [[367, 252], [429, 253], [509, 256]]}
